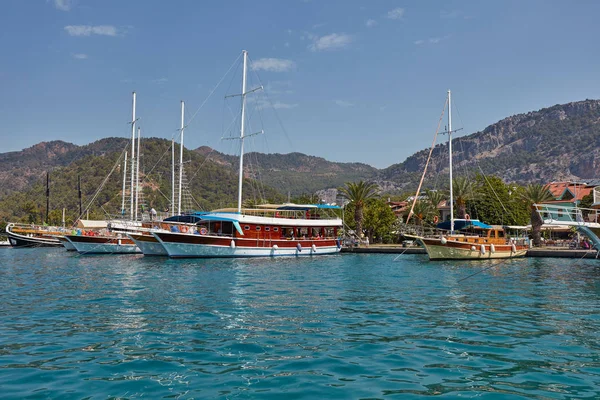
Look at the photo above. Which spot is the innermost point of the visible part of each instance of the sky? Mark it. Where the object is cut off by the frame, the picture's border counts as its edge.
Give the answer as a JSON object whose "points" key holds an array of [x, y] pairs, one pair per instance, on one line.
{"points": [[350, 81]]}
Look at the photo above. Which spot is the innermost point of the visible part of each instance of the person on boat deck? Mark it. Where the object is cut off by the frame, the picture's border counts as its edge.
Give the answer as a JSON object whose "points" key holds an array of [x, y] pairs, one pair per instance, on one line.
{"points": [[152, 213]]}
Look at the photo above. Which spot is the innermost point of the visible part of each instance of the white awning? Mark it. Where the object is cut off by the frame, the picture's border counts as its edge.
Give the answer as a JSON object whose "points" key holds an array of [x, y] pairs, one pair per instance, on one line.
{"points": [[91, 224]]}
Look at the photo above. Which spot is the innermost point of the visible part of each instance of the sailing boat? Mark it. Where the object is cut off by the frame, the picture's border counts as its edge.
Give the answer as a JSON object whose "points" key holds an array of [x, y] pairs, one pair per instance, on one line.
{"points": [[102, 237], [264, 231], [23, 235], [144, 240], [467, 239]]}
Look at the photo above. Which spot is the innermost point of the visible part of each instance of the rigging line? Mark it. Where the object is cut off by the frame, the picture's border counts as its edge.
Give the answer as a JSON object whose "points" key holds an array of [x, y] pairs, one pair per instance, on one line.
{"points": [[102, 185], [427, 163], [275, 112], [493, 191], [213, 90]]}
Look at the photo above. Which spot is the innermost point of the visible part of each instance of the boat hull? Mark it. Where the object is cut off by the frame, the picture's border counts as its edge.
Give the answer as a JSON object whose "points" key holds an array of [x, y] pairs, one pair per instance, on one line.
{"points": [[35, 240], [103, 245], [454, 250], [65, 242], [148, 244], [180, 245]]}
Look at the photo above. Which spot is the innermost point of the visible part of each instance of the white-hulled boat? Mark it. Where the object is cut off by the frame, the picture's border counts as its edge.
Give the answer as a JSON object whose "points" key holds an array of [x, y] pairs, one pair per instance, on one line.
{"points": [[268, 230], [477, 240], [283, 230]]}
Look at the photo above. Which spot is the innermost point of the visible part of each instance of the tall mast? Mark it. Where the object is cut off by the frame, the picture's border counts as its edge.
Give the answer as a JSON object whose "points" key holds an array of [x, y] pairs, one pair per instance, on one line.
{"points": [[47, 195], [450, 157], [242, 117], [180, 158], [137, 174], [132, 157], [124, 188], [173, 176], [79, 191]]}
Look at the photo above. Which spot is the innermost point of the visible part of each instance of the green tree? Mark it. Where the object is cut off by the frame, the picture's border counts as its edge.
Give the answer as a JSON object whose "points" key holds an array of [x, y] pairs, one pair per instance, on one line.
{"points": [[378, 220], [358, 193], [496, 202], [536, 193], [435, 197], [423, 211], [462, 191]]}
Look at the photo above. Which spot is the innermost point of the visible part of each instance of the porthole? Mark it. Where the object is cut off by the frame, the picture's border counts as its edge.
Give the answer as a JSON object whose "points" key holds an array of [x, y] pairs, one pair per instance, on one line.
{"points": [[246, 227]]}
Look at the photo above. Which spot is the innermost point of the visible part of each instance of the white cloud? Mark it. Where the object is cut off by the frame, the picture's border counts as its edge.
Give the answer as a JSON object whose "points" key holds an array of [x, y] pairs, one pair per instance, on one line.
{"points": [[433, 40], [262, 103], [279, 105], [273, 65], [286, 44], [160, 81], [396, 13], [333, 41], [63, 5], [80, 56], [370, 23], [344, 103], [87, 30]]}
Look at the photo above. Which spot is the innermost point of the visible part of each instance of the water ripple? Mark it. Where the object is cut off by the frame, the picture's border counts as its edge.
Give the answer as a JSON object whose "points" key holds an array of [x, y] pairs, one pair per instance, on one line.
{"points": [[353, 326]]}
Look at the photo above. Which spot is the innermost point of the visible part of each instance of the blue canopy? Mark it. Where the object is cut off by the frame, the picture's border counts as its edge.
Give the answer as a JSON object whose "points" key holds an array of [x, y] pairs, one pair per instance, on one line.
{"points": [[460, 224]]}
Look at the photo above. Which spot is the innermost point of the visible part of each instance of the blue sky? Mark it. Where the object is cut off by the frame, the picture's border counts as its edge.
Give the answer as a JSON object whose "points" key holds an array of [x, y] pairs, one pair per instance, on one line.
{"points": [[346, 80]]}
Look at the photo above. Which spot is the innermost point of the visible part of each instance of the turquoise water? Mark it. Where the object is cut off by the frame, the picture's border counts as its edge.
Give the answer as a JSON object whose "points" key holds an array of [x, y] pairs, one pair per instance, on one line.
{"points": [[348, 326]]}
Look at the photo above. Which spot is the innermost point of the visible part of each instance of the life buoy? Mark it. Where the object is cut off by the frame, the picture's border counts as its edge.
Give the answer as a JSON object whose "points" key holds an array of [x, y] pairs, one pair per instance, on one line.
{"points": [[203, 231], [183, 229], [467, 217], [435, 219]]}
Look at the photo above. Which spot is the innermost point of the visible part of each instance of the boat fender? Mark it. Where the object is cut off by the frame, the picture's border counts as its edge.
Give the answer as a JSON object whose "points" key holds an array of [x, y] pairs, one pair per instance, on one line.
{"points": [[513, 248], [443, 240], [119, 242], [232, 245], [482, 249], [275, 247], [436, 219], [473, 248], [314, 248], [492, 248], [299, 247]]}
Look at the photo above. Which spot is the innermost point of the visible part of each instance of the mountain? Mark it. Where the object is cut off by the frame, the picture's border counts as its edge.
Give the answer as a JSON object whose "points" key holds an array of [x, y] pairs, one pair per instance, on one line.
{"points": [[556, 143], [294, 173]]}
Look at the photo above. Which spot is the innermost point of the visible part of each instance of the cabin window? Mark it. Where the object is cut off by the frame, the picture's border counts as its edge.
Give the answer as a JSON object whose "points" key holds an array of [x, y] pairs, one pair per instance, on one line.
{"points": [[258, 228], [330, 232], [267, 228], [500, 234], [246, 227], [276, 229]]}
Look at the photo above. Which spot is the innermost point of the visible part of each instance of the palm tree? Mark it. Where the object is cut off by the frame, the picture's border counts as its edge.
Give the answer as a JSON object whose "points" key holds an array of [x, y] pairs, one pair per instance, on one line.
{"points": [[424, 211], [462, 191], [358, 193], [536, 193], [435, 197]]}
